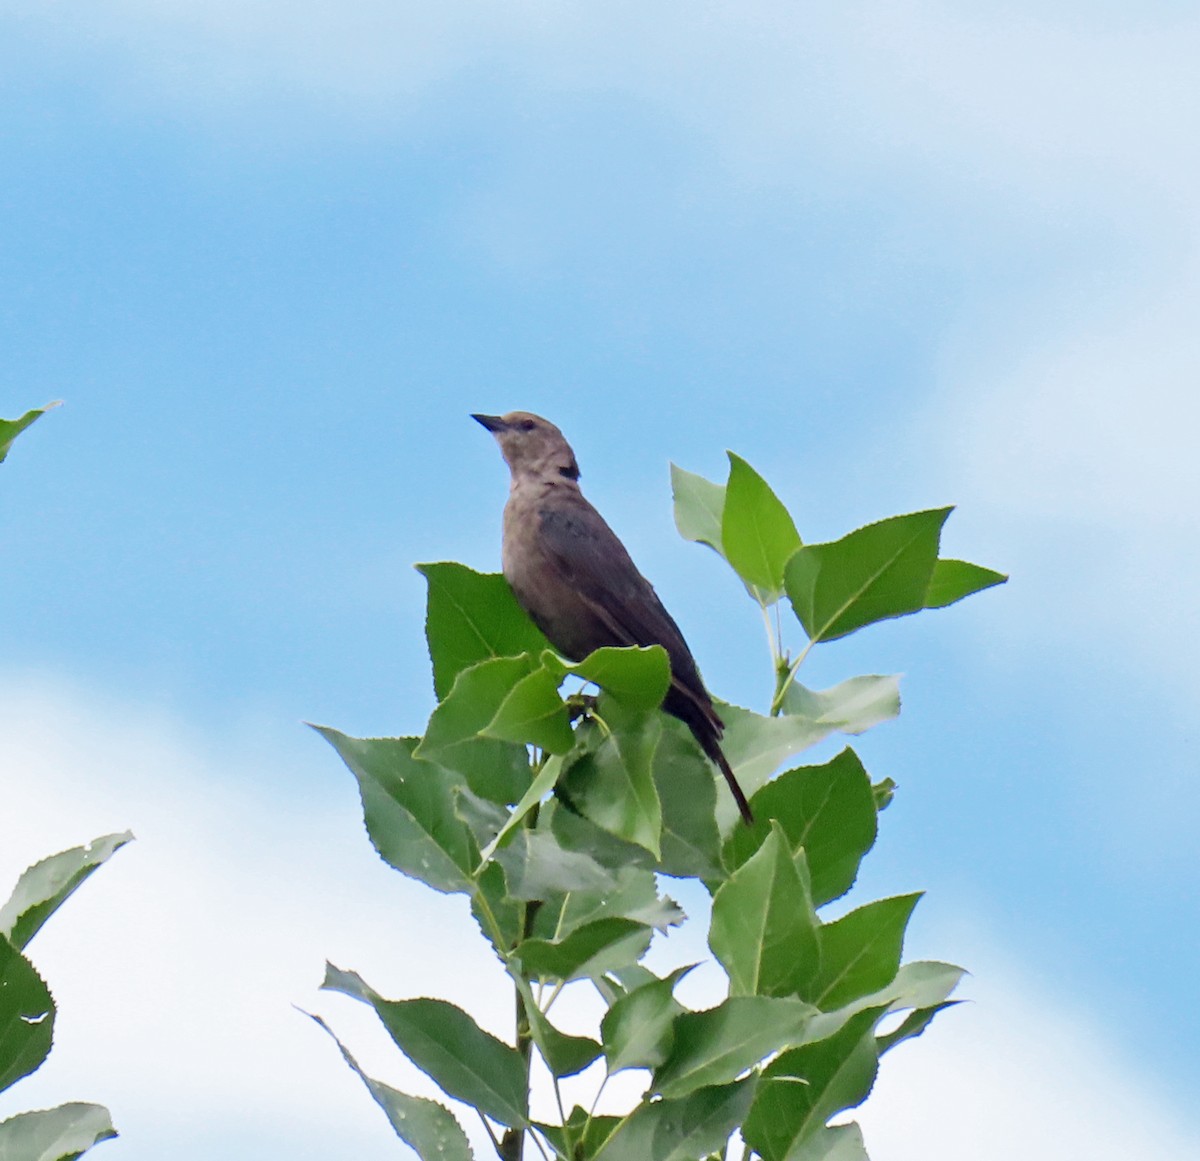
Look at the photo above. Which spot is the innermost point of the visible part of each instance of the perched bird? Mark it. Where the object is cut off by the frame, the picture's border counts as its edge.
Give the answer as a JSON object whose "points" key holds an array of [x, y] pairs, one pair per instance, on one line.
{"points": [[573, 577]]}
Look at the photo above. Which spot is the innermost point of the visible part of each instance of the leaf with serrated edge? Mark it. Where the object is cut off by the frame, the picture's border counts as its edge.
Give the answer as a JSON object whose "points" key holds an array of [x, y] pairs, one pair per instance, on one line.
{"points": [[429, 1129], [26, 1016], [764, 928], [467, 1063], [699, 508], [757, 531], [803, 1087], [683, 1129], [564, 1055], [45, 886], [828, 810], [637, 1030], [470, 617], [835, 1143], [533, 714], [860, 952], [719, 1044], [872, 574], [610, 779], [408, 806], [590, 950], [56, 1134]]}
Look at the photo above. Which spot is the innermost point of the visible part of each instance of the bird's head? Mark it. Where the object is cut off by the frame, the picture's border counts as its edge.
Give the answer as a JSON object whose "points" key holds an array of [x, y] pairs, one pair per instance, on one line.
{"points": [[531, 446]]}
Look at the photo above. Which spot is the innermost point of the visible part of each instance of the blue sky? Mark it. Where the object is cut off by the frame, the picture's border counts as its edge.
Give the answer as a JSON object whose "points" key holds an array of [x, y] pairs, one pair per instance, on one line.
{"points": [[898, 256]]}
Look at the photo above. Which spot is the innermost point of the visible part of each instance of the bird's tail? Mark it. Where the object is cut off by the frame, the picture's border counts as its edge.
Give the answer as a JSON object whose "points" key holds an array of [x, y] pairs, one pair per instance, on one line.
{"points": [[713, 749]]}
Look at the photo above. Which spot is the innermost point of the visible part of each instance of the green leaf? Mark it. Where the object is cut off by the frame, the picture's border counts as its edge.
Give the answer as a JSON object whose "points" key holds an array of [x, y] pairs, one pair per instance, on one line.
{"points": [[564, 1055], [470, 617], [803, 1087], [634, 676], [860, 953], [11, 428], [764, 928], [467, 1063], [912, 1025], [45, 886], [609, 780], [532, 713], [429, 1129], [587, 1133], [541, 785], [588, 951], [719, 1044], [633, 894], [697, 1125], [828, 810], [638, 1029], [576, 833], [58, 1134], [835, 1143], [408, 806], [26, 1016], [757, 532], [536, 866], [494, 769], [852, 707], [699, 508], [756, 745], [687, 791], [954, 579], [874, 573]]}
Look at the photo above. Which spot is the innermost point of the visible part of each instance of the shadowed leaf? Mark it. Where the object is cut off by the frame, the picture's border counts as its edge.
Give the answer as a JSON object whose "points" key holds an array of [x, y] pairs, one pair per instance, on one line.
{"points": [[429, 1129], [471, 617], [467, 1063], [26, 1016], [45, 886]]}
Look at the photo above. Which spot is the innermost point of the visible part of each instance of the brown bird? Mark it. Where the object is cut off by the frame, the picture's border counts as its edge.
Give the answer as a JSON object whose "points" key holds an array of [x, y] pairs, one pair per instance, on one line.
{"points": [[574, 578]]}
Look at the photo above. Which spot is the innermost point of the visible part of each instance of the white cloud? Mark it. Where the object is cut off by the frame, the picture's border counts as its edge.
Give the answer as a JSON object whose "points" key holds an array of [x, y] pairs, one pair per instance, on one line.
{"points": [[176, 965]]}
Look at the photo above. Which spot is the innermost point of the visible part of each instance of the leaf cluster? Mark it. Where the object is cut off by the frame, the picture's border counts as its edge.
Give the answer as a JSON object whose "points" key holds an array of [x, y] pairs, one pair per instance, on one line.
{"points": [[27, 1009], [556, 813]]}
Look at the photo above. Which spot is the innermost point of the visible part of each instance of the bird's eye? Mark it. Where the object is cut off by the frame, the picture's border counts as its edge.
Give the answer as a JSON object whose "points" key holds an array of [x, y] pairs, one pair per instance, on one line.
{"points": [[527, 425]]}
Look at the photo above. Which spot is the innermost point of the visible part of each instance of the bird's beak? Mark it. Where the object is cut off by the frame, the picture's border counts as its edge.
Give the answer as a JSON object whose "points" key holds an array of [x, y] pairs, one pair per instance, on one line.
{"points": [[492, 422]]}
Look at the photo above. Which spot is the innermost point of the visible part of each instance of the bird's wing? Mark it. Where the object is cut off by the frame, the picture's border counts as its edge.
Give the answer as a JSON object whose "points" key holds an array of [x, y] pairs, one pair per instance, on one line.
{"points": [[593, 561]]}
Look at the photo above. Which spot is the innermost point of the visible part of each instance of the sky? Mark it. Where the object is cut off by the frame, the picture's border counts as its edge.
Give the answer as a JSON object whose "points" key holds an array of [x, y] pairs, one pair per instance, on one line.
{"points": [[895, 255]]}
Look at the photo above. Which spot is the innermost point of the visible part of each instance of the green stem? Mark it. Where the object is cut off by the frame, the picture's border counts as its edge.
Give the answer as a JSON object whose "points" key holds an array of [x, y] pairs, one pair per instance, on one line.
{"points": [[511, 1145], [784, 678]]}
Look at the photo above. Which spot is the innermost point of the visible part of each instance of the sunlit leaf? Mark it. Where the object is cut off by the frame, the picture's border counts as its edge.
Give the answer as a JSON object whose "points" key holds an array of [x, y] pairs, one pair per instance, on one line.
{"points": [[954, 579], [57, 1134], [636, 677], [874, 573], [11, 428], [699, 508], [852, 707], [757, 531]]}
